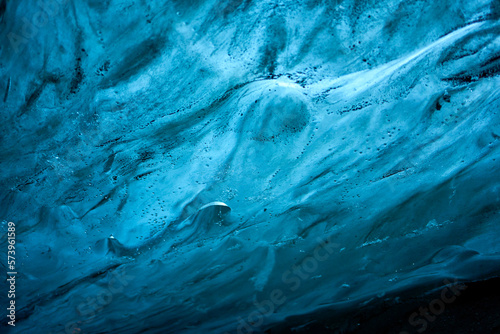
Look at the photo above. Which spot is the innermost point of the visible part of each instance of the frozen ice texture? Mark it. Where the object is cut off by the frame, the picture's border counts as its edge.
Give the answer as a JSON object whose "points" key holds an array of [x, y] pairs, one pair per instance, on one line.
{"points": [[356, 143]]}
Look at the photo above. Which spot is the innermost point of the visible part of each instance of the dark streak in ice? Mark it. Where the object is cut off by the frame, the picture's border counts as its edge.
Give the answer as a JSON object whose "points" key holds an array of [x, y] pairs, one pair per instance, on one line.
{"points": [[6, 91]]}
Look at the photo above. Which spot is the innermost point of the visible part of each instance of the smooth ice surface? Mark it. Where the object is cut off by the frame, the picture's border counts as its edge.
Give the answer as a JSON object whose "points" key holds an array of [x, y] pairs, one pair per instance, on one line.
{"points": [[356, 144]]}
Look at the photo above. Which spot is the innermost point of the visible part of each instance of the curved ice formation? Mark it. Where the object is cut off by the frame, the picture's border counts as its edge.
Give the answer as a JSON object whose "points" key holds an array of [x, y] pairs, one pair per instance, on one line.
{"points": [[356, 143]]}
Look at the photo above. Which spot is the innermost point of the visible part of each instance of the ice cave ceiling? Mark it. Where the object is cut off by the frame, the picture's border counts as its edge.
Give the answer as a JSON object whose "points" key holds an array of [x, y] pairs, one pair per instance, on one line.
{"points": [[351, 147]]}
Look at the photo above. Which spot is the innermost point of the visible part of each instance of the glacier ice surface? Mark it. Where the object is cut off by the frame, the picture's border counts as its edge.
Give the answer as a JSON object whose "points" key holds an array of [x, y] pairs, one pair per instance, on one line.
{"points": [[356, 144]]}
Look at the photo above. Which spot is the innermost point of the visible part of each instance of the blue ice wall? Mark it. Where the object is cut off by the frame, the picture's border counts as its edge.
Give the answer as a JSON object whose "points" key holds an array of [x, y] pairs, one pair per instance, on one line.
{"points": [[356, 144]]}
